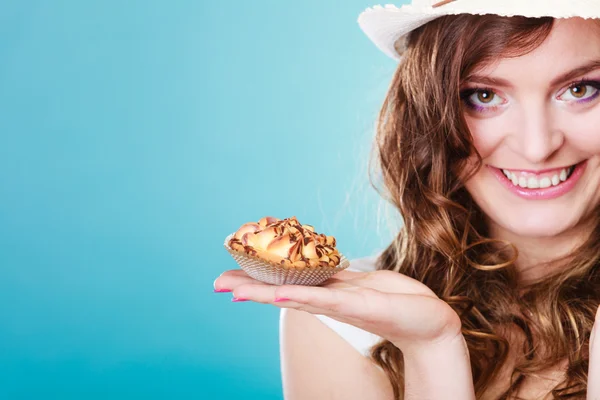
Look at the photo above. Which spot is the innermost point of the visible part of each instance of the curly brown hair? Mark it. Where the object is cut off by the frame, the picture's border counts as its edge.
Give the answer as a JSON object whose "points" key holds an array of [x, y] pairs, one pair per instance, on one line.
{"points": [[422, 147]]}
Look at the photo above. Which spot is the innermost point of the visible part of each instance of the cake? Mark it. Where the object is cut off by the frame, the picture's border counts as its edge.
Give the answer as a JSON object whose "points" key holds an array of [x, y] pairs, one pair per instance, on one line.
{"points": [[284, 251]]}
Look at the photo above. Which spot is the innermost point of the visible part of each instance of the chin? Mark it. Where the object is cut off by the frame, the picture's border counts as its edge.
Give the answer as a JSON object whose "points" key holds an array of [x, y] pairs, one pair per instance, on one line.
{"points": [[534, 226]]}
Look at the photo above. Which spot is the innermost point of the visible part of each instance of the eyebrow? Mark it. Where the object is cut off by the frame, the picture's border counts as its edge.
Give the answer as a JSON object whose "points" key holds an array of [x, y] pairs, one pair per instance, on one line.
{"points": [[568, 76]]}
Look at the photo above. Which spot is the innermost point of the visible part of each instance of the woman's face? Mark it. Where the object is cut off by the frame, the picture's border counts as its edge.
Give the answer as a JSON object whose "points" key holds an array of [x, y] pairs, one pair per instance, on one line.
{"points": [[535, 120]]}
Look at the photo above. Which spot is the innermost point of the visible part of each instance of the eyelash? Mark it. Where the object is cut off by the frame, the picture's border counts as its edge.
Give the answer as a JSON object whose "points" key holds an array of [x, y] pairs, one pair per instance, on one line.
{"points": [[467, 93]]}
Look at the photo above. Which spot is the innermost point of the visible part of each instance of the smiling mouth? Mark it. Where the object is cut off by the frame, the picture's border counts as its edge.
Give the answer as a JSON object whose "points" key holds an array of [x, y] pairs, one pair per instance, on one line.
{"points": [[532, 180]]}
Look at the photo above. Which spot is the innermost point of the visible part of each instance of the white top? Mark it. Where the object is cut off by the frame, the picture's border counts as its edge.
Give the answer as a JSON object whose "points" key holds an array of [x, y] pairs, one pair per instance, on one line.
{"points": [[360, 339]]}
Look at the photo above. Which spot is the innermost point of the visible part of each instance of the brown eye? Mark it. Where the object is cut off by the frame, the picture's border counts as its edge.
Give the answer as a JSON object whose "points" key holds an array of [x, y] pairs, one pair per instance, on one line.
{"points": [[578, 91], [485, 96]]}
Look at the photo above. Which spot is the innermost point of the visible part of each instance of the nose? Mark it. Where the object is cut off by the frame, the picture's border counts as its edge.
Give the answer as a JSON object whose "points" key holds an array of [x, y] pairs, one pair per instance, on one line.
{"points": [[537, 138]]}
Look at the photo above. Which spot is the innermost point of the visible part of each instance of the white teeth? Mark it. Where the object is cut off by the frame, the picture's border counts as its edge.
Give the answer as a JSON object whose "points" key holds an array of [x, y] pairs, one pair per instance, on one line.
{"points": [[545, 183], [563, 175], [534, 183], [522, 182]]}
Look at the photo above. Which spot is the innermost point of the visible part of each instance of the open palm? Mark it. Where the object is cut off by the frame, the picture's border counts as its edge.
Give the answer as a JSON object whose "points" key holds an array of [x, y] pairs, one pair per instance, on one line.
{"points": [[386, 303]]}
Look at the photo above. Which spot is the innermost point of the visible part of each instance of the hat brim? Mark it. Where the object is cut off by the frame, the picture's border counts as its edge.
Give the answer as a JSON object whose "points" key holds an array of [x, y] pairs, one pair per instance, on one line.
{"points": [[385, 25]]}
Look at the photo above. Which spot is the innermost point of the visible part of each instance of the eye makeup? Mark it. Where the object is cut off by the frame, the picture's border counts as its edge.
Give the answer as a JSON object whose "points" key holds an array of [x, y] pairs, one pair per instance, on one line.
{"points": [[466, 94], [585, 82]]}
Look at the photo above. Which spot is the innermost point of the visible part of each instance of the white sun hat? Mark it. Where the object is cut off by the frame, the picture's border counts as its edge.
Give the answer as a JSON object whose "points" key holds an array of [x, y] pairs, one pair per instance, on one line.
{"points": [[387, 25]]}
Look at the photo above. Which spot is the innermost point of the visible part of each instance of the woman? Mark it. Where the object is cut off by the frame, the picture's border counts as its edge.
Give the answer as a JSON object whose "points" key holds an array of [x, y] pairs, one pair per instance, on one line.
{"points": [[489, 146]]}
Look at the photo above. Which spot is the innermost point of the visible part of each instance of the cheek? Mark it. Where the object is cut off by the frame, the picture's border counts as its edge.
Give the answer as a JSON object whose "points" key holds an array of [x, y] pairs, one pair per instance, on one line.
{"points": [[487, 134], [584, 133], [581, 131]]}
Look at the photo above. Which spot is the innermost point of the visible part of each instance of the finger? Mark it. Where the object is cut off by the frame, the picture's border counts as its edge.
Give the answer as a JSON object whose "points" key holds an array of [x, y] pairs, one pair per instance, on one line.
{"points": [[234, 272], [257, 292], [230, 282], [593, 390], [382, 280], [265, 294], [352, 303]]}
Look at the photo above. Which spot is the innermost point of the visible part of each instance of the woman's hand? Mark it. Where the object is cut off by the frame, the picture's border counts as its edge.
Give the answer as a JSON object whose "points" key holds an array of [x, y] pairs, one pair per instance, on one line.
{"points": [[386, 303], [390, 305]]}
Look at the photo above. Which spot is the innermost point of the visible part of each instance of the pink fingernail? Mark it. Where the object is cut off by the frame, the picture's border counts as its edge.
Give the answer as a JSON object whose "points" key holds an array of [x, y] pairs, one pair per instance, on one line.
{"points": [[236, 299], [222, 290], [278, 299]]}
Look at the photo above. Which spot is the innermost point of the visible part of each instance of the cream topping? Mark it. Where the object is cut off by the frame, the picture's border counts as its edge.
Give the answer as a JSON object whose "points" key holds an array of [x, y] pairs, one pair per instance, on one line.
{"points": [[286, 242]]}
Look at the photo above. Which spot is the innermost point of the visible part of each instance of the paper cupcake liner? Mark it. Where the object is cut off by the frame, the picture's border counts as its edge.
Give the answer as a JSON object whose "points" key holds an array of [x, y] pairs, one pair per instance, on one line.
{"points": [[277, 274]]}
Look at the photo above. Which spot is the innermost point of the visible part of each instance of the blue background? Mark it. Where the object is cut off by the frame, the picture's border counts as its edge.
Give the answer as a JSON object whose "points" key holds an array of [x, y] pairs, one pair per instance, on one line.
{"points": [[134, 136]]}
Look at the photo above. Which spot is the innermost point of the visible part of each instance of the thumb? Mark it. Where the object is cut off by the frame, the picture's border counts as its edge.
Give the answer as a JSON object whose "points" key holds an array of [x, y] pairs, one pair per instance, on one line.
{"points": [[593, 387]]}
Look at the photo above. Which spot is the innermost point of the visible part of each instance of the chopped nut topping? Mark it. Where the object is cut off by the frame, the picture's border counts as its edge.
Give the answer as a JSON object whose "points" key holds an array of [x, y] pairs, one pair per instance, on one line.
{"points": [[286, 242]]}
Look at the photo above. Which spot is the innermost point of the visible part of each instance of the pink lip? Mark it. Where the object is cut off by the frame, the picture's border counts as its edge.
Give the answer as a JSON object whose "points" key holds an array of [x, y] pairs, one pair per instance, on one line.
{"points": [[542, 194]]}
